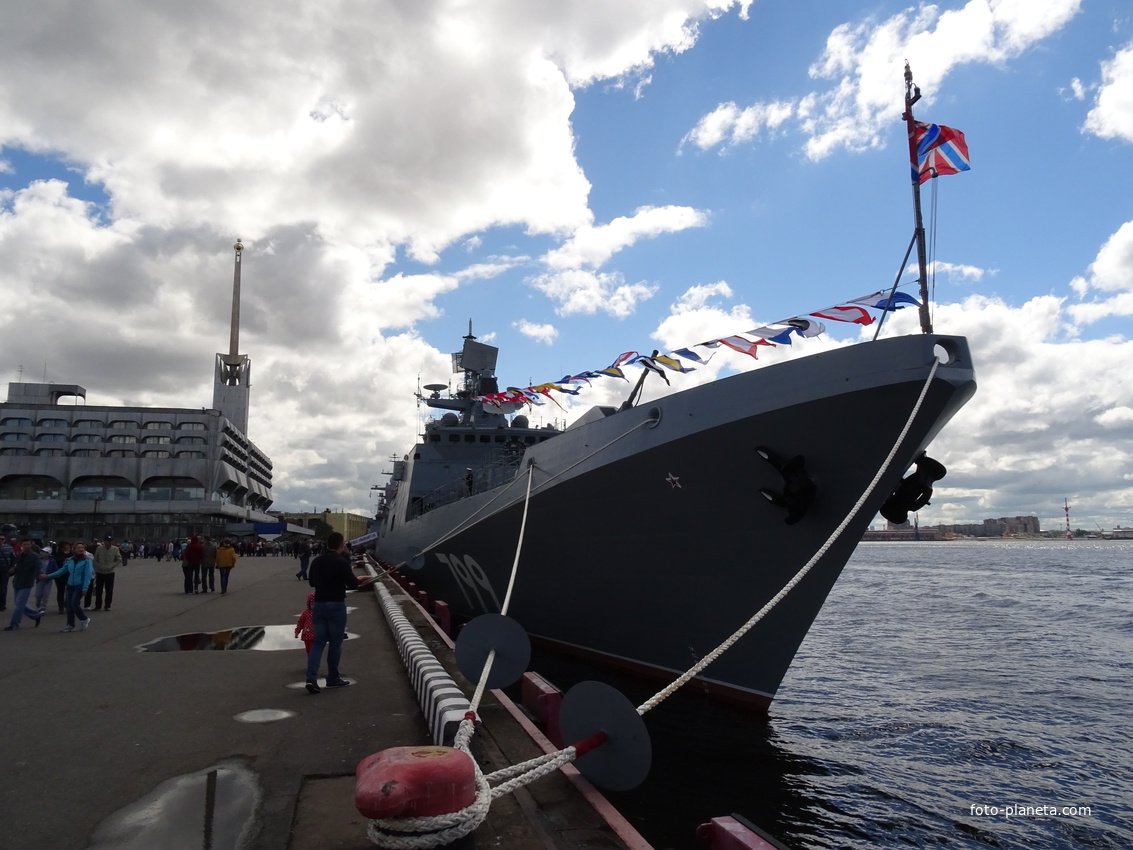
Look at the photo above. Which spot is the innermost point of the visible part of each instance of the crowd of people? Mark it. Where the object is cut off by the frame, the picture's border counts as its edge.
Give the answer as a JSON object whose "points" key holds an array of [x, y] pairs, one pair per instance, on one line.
{"points": [[66, 571], [172, 550], [78, 580]]}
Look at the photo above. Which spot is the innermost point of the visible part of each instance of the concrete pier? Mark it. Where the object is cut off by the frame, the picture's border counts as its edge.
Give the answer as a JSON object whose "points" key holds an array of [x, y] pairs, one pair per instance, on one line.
{"points": [[106, 746]]}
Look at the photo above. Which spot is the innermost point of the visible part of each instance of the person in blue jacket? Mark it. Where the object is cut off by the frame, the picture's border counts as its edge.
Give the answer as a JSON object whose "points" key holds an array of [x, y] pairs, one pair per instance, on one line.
{"points": [[79, 569]]}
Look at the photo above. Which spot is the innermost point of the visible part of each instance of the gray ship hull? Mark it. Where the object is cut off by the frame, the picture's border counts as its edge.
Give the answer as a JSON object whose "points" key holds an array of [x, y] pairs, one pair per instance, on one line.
{"points": [[647, 539]]}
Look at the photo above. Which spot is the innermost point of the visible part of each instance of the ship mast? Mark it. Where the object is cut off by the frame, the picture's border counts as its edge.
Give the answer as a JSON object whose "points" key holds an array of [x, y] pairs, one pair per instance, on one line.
{"points": [[912, 95]]}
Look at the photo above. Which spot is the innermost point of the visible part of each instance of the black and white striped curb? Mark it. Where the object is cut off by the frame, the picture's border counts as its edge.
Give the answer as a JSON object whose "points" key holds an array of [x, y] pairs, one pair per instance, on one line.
{"points": [[443, 703]]}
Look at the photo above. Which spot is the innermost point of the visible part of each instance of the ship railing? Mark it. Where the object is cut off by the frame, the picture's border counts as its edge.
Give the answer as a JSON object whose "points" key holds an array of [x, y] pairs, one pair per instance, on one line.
{"points": [[486, 477]]}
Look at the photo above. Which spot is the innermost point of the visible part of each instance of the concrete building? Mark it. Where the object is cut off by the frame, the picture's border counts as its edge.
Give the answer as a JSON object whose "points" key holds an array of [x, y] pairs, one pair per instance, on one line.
{"points": [[76, 471]]}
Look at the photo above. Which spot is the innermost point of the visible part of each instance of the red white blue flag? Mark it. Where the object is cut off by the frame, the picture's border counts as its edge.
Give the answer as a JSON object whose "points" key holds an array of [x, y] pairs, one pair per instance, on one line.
{"points": [[940, 150]]}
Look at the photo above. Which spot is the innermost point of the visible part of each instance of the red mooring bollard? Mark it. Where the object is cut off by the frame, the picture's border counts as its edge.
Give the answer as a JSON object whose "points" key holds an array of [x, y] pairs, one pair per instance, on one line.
{"points": [[442, 613], [545, 701], [407, 782]]}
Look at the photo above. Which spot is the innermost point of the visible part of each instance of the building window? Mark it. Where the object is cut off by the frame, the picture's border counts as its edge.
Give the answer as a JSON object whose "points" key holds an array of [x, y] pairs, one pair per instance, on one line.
{"points": [[28, 487], [10, 452], [157, 426], [117, 453], [124, 423], [50, 453], [123, 438], [90, 424], [16, 422], [157, 440], [52, 423], [87, 438], [13, 437], [190, 441], [86, 453], [171, 489], [155, 454], [109, 488], [191, 455], [192, 426], [51, 438]]}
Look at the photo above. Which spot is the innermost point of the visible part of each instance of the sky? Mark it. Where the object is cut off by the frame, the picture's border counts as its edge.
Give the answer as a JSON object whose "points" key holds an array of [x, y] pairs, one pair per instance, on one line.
{"points": [[576, 179]]}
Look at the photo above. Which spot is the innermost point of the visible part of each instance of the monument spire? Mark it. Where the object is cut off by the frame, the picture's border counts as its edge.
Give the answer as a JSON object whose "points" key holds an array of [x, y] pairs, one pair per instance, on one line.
{"points": [[234, 343], [230, 393]]}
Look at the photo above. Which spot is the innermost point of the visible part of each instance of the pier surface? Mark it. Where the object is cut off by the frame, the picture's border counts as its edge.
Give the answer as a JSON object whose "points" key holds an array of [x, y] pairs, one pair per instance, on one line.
{"points": [[107, 746]]}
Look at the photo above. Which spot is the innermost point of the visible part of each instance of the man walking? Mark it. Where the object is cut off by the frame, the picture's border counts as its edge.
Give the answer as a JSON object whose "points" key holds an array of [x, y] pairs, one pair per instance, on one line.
{"points": [[107, 558], [208, 566], [7, 559], [330, 575], [304, 553], [23, 572]]}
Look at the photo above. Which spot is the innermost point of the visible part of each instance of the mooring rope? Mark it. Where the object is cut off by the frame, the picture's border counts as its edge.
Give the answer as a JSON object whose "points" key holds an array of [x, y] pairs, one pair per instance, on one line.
{"points": [[429, 832]]}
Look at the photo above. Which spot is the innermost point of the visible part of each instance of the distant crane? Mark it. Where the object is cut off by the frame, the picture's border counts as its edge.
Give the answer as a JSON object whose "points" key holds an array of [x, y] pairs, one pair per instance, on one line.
{"points": [[1066, 510]]}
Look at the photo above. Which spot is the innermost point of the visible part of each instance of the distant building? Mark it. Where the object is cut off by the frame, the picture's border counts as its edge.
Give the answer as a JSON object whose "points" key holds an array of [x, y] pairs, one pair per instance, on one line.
{"points": [[903, 531], [349, 525], [78, 471], [1015, 526]]}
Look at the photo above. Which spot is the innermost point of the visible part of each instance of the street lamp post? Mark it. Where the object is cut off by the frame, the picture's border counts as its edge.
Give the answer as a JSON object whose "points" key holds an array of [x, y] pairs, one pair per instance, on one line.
{"points": [[94, 521]]}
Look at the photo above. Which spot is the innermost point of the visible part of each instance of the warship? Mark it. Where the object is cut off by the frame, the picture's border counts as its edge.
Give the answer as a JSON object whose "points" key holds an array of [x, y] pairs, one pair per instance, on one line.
{"points": [[646, 534]]}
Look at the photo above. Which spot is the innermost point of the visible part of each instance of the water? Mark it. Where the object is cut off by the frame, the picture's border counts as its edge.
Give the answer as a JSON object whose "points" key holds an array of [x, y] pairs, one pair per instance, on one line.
{"points": [[942, 684]]}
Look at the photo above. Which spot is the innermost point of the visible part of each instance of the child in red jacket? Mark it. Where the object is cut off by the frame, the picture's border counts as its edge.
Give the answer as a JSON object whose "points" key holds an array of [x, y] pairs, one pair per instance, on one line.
{"points": [[305, 627]]}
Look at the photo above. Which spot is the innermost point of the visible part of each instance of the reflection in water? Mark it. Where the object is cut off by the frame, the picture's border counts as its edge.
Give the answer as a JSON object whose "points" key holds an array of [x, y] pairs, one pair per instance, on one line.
{"points": [[212, 809], [245, 637]]}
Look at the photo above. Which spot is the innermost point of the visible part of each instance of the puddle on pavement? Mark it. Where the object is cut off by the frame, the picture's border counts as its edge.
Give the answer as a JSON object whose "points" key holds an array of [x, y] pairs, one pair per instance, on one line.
{"points": [[245, 637], [264, 715], [212, 809]]}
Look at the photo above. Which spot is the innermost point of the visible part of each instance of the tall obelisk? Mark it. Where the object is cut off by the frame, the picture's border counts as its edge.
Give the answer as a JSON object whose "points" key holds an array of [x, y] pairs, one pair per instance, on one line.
{"points": [[230, 393]]}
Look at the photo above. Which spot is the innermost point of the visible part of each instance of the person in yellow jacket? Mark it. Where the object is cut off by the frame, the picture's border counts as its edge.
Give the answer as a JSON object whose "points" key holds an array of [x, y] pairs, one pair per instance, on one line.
{"points": [[225, 561]]}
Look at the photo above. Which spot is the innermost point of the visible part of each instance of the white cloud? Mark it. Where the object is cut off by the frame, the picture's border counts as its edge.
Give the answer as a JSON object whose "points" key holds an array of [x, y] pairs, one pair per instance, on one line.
{"points": [[1112, 114], [956, 271], [585, 292], [1116, 417], [545, 334], [592, 246], [730, 125], [1111, 271]]}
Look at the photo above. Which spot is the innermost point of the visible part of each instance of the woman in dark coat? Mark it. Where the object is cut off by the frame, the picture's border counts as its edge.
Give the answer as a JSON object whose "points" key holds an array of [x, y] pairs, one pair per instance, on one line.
{"points": [[191, 559]]}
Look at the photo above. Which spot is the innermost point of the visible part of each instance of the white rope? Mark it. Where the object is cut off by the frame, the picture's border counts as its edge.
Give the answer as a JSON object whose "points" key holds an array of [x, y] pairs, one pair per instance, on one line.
{"points": [[519, 545], [437, 830], [685, 677]]}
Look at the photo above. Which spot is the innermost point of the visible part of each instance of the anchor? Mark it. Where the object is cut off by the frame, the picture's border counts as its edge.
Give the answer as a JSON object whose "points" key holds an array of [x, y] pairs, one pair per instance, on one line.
{"points": [[798, 490], [914, 491]]}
